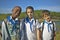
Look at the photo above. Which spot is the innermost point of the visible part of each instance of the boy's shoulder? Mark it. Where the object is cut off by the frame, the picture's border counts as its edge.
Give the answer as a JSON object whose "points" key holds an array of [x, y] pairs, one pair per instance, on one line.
{"points": [[5, 20], [42, 23], [52, 22], [36, 19]]}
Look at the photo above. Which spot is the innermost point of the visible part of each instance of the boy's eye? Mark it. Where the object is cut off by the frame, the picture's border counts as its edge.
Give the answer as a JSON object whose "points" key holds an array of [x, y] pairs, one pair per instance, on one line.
{"points": [[29, 12], [48, 18]]}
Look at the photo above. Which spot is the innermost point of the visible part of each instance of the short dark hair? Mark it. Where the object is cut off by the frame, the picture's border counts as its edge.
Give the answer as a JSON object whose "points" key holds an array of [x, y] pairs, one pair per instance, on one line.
{"points": [[30, 7], [17, 7], [46, 12]]}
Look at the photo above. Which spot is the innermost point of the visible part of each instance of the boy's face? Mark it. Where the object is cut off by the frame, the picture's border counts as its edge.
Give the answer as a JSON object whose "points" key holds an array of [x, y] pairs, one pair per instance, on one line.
{"points": [[29, 13], [16, 12], [47, 18], [44, 16]]}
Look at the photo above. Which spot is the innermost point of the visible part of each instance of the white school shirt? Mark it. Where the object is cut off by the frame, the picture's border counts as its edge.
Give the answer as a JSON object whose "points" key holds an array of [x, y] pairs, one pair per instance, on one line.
{"points": [[4, 32], [31, 34], [47, 35]]}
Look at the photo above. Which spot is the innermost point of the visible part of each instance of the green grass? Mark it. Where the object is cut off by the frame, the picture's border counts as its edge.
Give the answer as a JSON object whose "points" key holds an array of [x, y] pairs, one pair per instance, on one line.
{"points": [[37, 14], [3, 16], [57, 35]]}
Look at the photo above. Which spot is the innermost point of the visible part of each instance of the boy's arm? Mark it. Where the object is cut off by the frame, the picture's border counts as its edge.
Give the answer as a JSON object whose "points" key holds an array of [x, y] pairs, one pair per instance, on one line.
{"points": [[3, 32], [54, 35], [38, 29], [54, 31], [38, 34]]}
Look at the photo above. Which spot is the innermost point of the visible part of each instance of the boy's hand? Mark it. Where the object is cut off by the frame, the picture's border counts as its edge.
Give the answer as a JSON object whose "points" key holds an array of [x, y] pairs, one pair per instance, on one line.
{"points": [[54, 38], [54, 35]]}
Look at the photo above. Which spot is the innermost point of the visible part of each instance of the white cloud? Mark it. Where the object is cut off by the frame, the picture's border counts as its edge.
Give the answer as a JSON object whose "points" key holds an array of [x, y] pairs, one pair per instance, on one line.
{"points": [[51, 8], [4, 10]]}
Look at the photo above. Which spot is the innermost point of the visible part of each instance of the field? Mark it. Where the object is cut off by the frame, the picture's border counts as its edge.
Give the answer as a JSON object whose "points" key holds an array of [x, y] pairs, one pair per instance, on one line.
{"points": [[38, 15]]}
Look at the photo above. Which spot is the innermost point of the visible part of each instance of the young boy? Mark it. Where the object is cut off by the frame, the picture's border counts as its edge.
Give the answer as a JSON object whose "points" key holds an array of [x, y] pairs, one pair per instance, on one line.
{"points": [[30, 25], [11, 25], [48, 27]]}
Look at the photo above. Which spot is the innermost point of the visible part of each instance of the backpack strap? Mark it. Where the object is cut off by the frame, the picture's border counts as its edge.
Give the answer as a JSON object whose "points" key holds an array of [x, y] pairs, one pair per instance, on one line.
{"points": [[42, 27], [24, 30], [53, 26], [42, 31], [35, 20], [9, 38], [53, 30]]}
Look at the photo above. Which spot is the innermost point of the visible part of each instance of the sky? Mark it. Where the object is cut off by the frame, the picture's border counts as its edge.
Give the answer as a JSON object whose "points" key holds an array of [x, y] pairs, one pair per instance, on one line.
{"points": [[6, 6]]}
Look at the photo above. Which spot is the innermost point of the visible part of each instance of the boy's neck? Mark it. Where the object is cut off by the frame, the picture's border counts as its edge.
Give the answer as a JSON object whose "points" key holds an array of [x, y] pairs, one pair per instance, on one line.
{"points": [[47, 21], [30, 18], [13, 18]]}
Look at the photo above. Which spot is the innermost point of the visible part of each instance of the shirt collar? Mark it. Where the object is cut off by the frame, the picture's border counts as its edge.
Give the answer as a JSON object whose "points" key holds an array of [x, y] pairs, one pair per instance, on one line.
{"points": [[48, 22], [12, 18], [9, 18], [32, 19], [28, 20]]}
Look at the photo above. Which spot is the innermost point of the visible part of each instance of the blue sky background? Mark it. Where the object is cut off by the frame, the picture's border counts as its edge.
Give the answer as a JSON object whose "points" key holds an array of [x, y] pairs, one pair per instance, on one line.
{"points": [[7, 5]]}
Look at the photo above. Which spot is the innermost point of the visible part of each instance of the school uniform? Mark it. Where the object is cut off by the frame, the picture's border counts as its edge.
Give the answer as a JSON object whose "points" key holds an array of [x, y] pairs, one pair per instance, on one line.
{"points": [[29, 28], [49, 28], [10, 29]]}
